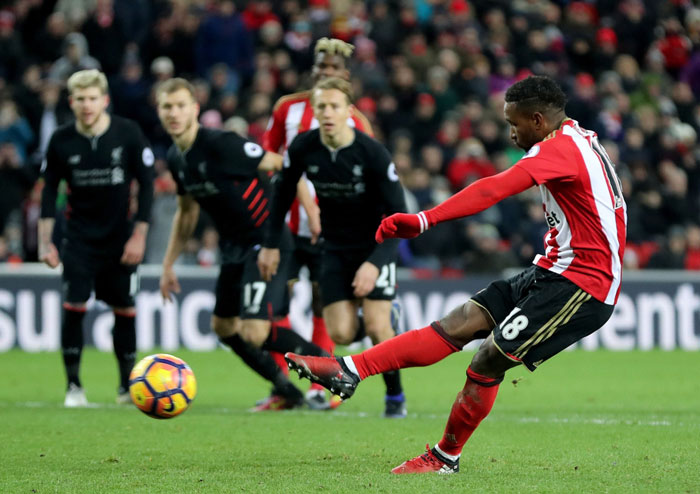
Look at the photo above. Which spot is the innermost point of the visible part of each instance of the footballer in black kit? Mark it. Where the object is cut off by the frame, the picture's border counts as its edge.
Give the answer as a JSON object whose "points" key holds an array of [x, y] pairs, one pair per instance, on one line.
{"points": [[357, 185], [98, 156], [220, 172]]}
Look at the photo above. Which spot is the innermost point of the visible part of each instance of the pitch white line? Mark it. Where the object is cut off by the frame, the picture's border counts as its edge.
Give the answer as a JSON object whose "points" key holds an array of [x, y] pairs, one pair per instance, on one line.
{"points": [[574, 420]]}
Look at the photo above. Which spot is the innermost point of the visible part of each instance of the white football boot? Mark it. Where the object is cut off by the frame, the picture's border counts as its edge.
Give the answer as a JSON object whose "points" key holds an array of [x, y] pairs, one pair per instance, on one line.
{"points": [[75, 397]]}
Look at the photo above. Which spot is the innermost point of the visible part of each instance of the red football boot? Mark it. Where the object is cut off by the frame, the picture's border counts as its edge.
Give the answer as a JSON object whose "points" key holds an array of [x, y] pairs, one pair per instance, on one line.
{"points": [[428, 462], [329, 372]]}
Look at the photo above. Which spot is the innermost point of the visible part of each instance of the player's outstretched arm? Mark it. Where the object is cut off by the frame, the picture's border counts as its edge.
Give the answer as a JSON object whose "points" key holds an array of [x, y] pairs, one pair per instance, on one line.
{"points": [[184, 223], [473, 199], [48, 253]]}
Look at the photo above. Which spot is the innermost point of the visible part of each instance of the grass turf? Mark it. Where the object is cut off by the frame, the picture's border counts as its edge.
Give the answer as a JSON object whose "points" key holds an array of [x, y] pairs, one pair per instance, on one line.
{"points": [[584, 422]]}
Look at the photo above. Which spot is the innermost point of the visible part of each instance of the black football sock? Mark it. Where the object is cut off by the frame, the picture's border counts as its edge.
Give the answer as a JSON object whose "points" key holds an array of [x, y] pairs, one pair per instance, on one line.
{"points": [[124, 339], [72, 343], [392, 380], [261, 362], [285, 340]]}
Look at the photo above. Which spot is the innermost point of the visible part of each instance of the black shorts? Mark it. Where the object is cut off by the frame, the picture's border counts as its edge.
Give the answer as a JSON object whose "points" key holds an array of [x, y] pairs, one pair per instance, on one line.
{"points": [[240, 291], [85, 270], [338, 268], [307, 255], [538, 314]]}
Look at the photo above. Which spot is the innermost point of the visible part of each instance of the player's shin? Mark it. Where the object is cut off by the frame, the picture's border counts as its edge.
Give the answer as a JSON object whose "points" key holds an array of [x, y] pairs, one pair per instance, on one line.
{"points": [[262, 363], [417, 348], [72, 342], [124, 340], [284, 340], [320, 335], [472, 405]]}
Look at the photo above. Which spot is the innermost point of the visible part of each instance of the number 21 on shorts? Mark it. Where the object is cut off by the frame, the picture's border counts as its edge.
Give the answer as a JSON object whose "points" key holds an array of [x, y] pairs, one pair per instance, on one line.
{"points": [[514, 324]]}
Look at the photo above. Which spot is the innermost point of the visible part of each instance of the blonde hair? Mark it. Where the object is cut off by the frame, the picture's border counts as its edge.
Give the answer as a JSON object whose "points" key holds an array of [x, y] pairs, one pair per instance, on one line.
{"points": [[333, 46], [175, 84], [84, 79], [333, 83]]}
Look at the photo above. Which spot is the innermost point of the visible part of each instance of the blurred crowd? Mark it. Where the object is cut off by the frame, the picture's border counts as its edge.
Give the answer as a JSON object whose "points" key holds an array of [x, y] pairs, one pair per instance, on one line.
{"points": [[429, 74]]}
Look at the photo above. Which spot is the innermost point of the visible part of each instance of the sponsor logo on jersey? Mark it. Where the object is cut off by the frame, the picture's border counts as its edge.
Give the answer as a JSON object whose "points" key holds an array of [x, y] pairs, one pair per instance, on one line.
{"points": [[74, 160], [312, 169]]}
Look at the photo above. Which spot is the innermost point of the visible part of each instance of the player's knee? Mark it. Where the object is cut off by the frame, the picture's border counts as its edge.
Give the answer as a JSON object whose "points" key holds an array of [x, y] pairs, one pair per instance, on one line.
{"points": [[341, 334], [255, 331], [223, 326], [466, 323], [378, 328], [489, 361]]}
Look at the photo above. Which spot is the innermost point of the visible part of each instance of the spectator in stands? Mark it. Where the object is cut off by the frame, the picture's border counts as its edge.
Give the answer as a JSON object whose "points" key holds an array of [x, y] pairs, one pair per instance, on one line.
{"points": [[15, 130], [75, 57], [672, 253], [223, 37]]}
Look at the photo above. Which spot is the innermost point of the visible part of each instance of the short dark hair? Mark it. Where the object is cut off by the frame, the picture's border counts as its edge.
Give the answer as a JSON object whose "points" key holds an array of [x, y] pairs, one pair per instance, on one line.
{"points": [[537, 93]]}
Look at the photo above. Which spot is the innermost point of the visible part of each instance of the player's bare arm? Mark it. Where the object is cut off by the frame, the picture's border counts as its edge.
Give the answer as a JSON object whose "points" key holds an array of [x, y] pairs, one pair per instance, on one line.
{"points": [[48, 253], [271, 162], [184, 223], [312, 210], [365, 279], [136, 245]]}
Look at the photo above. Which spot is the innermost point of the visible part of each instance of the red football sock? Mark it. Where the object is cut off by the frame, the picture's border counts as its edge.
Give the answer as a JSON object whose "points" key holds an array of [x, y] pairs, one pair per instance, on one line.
{"points": [[281, 363], [416, 348], [320, 335], [472, 405]]}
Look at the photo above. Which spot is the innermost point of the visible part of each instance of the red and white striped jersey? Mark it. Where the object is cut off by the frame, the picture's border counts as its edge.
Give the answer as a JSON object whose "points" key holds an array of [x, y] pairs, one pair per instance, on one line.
{"points": [[293, 115], [583, 207]]}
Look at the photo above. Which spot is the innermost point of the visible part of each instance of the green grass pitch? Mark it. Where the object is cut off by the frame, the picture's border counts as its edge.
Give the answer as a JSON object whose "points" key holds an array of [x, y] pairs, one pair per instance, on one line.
{"points": [[583, 423]]}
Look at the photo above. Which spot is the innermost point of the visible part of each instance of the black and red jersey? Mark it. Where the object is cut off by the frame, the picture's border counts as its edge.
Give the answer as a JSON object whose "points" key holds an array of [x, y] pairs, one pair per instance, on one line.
{"points": [[220, 171]]}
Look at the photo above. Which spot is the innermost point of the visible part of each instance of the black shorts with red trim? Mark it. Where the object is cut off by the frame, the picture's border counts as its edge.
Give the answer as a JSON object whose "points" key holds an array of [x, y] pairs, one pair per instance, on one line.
{"points": [[338, 269], [305, 254], [241, 291], [539, 313], [86, 269]]}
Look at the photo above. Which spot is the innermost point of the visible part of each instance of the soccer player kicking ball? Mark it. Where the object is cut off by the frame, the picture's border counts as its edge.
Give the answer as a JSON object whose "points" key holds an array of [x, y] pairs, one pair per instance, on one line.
{"points": [[98, 155], [569, 292], [357, 185]]}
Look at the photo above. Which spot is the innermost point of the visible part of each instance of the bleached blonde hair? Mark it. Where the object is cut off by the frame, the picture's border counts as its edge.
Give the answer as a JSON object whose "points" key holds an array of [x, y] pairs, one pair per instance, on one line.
{"points": [[84, 79], [334, 46]]}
